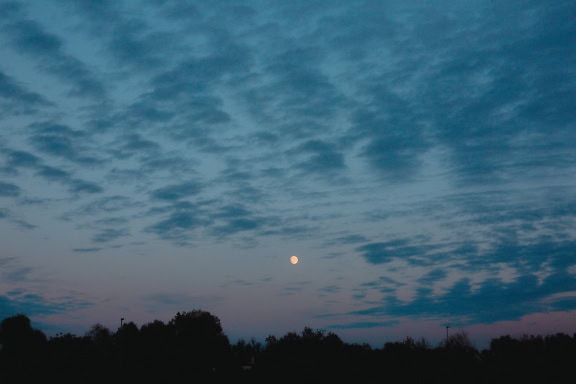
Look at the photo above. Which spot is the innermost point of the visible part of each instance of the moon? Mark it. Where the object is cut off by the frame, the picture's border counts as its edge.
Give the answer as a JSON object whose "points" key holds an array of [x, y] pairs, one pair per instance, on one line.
{"points": [[294, 259]]}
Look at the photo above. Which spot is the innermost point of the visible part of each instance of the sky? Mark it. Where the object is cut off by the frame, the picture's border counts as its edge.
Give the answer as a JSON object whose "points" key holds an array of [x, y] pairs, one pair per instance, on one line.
{"points": [[417, 157]]}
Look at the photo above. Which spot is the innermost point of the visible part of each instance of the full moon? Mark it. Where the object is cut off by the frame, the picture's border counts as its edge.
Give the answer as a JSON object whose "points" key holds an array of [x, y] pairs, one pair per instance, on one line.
{"points": [[293, 259]]}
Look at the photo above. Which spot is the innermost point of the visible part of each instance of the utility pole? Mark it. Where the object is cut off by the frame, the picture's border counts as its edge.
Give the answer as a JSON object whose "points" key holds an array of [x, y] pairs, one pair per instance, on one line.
{"points": [[121, 322], [447, 331]]}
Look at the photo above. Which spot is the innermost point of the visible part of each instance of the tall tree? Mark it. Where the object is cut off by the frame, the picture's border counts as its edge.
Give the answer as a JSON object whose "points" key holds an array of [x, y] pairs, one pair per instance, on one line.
{"points": [[24, 348], [199, 343]]}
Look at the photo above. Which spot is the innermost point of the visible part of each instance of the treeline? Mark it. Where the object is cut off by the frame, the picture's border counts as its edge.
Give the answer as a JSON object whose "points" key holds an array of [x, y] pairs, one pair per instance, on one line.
{"points": [[193, 347]]}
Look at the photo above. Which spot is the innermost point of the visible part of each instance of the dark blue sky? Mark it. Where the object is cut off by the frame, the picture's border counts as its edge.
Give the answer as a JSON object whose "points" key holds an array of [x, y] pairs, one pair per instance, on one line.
{"points": [[164, 156]]}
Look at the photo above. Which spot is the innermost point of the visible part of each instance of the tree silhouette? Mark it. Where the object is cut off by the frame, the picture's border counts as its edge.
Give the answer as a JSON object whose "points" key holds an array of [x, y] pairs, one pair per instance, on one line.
{"points": [[459, 360], [71, 359], [155, 353], [412, 361], [24, 349], [295, 356], [199, 345], [192, 346], [128, 343]]}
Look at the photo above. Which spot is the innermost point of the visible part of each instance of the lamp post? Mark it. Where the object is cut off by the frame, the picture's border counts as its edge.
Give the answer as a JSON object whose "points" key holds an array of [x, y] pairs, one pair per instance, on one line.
{"points": [[447, 331], [121, 322]]}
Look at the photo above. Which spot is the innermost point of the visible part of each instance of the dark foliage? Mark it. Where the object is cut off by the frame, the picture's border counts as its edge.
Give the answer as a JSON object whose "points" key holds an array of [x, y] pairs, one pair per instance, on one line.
{"points": [[193, 347]]}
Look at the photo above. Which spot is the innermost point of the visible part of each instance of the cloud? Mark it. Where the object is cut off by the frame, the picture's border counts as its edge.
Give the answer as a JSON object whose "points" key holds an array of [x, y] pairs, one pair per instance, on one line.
{"points": [[23, 159], [364, 324], [87, 250], [110, 234], [8, 215], [389, 135], [178, 220], [322, 158], [62, 142], [405, 249], [82, 187], [35, 306], [29, 38], [177, 191], [54, 174], [174, 301], [103, 205], [492, 299], [236, 219], [17, 100], [433, 276], [134, 42], [135, 144], [9, 190], [19, 160], [348, 239], [23, 298]]}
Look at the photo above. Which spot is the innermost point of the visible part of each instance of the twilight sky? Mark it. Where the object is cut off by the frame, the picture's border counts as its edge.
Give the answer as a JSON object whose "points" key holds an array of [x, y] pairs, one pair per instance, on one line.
{"points": [[163, 156]]}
